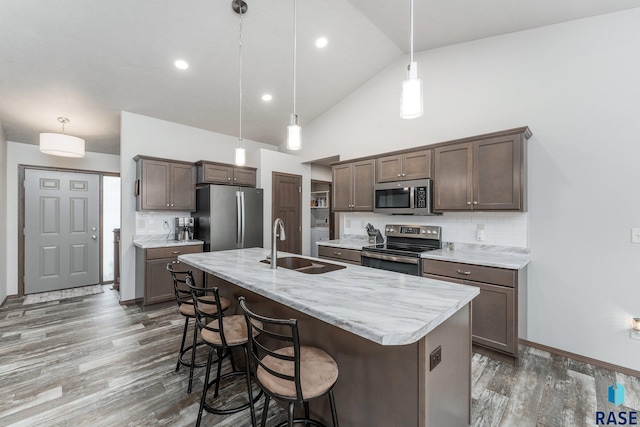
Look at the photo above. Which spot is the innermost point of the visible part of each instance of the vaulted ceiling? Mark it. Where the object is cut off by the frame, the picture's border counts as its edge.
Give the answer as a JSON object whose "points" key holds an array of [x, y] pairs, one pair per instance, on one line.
{"points": [[89, 60]]}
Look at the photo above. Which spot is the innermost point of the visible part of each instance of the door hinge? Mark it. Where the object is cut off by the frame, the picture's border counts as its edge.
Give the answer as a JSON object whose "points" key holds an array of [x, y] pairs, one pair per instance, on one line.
{"points": [[299, 228], [24, 231], [299, 189]]}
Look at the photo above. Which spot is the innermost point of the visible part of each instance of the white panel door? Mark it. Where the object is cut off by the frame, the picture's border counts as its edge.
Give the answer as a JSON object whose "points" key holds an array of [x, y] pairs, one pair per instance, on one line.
{"points": [[61, 234]]}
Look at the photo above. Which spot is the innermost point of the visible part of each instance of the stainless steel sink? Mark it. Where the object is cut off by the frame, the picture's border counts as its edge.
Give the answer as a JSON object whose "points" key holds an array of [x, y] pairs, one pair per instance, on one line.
{"points": [[304, 265]]}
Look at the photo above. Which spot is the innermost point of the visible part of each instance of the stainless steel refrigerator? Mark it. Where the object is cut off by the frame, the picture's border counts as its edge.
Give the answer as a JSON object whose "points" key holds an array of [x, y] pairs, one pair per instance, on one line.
{"points": [[228, 217]]}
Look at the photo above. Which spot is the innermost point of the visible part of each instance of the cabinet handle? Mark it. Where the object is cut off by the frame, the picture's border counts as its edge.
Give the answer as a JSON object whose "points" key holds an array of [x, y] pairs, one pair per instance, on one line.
{"points": [[229, 179], [404, 174], [337, 253], [176, 252], [399, 175], [235, 179], [469, 203], [475, 203], [466, 273], [167, 204], [171, 204]]}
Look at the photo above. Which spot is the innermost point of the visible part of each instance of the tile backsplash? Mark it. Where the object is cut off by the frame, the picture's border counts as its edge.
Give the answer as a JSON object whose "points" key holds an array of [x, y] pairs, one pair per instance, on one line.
{"points": [[500, 228], [153, 222]]}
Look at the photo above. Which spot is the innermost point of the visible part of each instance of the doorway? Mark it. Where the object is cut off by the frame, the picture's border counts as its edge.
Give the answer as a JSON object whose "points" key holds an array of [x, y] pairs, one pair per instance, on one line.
{"points": [[62, 217], [287, 204]]}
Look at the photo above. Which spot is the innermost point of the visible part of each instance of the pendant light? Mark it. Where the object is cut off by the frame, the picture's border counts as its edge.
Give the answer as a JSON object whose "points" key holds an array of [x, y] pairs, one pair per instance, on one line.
{"points": [[240, 7], [411, 96], [294, 131], [60, 144]]}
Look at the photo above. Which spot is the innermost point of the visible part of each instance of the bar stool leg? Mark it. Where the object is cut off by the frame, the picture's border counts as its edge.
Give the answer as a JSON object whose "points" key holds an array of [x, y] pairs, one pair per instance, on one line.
{"points": [[220, 353], [249, 389], [306, 413], [291, 406], [184, 337], [193, 356], [204, 389], [334, 413], [265, 409]]}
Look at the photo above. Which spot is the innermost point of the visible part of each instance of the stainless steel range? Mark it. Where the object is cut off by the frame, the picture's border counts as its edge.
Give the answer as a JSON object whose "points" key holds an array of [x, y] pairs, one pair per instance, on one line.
{"points": [[402, 251]]}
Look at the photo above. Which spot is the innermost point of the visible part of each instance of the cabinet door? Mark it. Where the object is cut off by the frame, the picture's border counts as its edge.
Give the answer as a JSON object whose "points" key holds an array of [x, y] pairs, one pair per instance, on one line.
{"points": [[493, 317], [363, 177], [342, 187], [497, 174], [217, 174], [244, 177], [389, 168], [158, 284], [453, 177], [154, 180], [183, 189], [416, 165]]}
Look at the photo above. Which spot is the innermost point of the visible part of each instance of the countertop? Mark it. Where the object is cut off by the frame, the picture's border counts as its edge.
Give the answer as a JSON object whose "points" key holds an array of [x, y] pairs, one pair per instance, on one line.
{"points": [[384, 307], [154, 241], [348, 241], [488, 255]]}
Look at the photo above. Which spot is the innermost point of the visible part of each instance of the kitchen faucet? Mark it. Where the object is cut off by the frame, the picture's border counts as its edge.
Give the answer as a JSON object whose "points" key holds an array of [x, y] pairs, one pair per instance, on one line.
{"points": [[274, 251]]}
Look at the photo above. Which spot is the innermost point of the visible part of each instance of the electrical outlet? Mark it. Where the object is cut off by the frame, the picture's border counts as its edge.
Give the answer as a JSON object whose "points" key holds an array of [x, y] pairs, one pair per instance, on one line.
{"points": [[635, 235], [634, 334], [480, 232], [166, 224], [435, 358]]}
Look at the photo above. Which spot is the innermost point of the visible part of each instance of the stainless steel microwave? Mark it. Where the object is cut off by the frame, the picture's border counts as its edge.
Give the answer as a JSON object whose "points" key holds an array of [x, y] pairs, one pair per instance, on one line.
{"points": [[403, 197]]}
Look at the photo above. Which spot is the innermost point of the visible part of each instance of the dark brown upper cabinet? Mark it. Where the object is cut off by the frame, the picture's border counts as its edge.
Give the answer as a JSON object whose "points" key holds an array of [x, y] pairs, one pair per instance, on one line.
{"points": [[486, 175], [164, 185], [407, 166], [222, 173], [353, 186]]}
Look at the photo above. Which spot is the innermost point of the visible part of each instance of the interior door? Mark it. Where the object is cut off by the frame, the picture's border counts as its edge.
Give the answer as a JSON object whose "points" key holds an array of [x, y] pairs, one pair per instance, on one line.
{"points": [[61, 233], [287, 204]]}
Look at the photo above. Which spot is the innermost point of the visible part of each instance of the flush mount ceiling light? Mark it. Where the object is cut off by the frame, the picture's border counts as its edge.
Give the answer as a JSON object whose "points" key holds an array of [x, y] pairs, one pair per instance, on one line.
{"points": [[294, 131], [267, 97], [411, 96], [181, 65], [59, 144], [240, 7], [321, 42]]}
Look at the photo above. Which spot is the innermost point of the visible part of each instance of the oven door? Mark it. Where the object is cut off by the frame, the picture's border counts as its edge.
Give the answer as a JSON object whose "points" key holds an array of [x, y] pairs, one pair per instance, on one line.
{"points": [[399, 264]]}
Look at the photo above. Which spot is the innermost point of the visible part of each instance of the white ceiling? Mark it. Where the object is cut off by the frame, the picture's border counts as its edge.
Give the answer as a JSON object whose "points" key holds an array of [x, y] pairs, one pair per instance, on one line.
{"points": [[89, 60]]}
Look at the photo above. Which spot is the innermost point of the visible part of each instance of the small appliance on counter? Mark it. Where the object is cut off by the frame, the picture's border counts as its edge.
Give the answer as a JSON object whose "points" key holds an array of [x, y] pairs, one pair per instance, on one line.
{"points": [[184, 228], [375, 237]]}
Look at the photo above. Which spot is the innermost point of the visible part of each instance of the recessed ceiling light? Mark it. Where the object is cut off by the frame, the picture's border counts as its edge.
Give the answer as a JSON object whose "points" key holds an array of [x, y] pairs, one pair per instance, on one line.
{"points": [[181, 65], [267, 97], [321, 42]]}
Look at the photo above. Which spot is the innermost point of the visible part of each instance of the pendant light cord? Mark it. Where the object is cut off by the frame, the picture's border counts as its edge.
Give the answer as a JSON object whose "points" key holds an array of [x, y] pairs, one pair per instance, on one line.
{"points": [[240, 74], [411, 42], [295, 33]]}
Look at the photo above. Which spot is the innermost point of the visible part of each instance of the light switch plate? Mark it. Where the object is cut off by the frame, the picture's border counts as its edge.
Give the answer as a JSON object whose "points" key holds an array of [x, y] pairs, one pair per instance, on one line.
{"points": [[635, 235]]}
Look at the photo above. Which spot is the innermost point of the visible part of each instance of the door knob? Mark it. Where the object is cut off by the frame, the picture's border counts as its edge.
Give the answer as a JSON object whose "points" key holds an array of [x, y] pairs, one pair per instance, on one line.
{"points": [[93, 229], [94, 237]]}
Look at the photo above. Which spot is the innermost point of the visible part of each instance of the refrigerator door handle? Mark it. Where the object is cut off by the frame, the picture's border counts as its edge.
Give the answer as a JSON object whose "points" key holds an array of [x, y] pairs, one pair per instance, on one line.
{"points": [[238, 217], [242, 229]]}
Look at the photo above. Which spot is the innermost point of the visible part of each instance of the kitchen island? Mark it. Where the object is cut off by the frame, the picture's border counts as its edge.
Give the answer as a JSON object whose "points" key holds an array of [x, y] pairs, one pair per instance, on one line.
{"points": [[381, 327]]}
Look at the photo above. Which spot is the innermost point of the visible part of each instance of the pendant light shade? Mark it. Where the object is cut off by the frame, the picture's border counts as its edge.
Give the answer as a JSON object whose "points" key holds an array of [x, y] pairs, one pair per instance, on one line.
{"points": [[294, 131], [411, 95], [59, 144], [240, 154], [294, 134]]}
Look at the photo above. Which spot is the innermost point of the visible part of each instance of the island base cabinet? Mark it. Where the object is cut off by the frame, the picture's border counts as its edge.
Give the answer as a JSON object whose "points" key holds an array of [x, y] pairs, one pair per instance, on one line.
{"points": [[379, 385]]}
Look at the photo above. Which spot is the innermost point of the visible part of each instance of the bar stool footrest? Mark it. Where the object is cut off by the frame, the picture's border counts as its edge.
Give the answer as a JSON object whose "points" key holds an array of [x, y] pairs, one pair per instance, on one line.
{"points": [[228, 411], [188, 362]]}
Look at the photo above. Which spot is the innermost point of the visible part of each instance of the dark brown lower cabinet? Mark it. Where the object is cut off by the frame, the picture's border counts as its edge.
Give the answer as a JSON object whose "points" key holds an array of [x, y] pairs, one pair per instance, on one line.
{"points": [[350, 256], [495, 310], [152, 274]]}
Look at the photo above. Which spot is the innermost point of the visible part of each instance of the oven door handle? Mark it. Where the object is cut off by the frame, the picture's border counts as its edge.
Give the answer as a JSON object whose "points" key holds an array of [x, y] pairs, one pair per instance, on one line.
{"points": [[404, 260]]}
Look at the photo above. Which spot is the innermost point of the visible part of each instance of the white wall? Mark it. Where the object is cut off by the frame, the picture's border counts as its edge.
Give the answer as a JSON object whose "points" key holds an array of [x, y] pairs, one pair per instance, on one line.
{"points": [[29, 154], [273, 161], [576, 86], [321, 173], [158, 138], [110, 220], [4, 204]]}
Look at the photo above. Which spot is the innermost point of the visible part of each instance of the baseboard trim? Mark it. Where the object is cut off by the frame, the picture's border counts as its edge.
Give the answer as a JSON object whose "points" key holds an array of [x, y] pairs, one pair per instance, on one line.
{"points": [[132, 301], [581, 358], [7, 298]]}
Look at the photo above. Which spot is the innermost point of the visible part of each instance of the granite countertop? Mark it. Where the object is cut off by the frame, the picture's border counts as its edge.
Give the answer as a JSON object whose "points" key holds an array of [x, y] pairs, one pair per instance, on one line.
{"points": [[348, 241], [384, 307], [155, 241], [488, 255]]}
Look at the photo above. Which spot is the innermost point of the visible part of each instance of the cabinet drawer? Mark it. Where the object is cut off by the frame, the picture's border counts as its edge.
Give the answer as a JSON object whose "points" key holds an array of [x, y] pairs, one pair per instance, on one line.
{"points": [[172, 251], [475, 273], [346, 255]]}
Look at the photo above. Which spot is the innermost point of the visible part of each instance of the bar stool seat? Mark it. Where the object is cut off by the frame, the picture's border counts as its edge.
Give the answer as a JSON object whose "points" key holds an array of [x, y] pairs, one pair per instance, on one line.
{"points": [[318, 372], [187, 309], [235, 331]]}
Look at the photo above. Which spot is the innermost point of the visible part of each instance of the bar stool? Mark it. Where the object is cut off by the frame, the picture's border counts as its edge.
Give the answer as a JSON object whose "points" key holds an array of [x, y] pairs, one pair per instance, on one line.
{"points": [[221, 335], [186, 309], [294, 373]]}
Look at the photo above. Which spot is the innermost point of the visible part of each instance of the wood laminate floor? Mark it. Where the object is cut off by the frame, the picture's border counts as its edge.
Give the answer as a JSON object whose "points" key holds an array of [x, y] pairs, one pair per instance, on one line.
{"points": [[88, 361]]}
